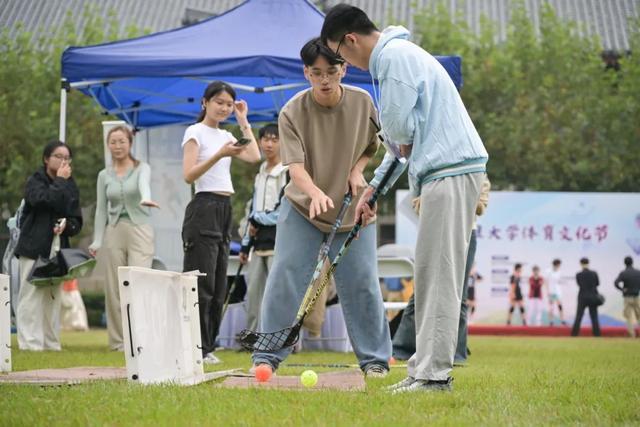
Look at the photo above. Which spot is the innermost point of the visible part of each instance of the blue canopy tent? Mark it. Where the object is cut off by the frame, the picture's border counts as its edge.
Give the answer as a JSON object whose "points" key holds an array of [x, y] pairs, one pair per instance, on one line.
{"points": [[158, 79]]}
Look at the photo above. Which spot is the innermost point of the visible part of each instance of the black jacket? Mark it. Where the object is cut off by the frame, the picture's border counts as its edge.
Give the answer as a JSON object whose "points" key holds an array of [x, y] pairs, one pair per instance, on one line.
{"points": [[588, 282], [47, 200], [630, 278]]}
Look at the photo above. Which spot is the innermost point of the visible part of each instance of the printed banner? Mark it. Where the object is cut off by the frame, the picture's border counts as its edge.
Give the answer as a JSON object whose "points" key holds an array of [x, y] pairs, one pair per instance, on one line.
{"points": [[534, 228]]}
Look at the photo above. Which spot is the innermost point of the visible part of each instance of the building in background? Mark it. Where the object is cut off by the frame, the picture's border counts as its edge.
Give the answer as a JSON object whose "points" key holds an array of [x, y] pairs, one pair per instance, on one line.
{"points": [[607, 19]]}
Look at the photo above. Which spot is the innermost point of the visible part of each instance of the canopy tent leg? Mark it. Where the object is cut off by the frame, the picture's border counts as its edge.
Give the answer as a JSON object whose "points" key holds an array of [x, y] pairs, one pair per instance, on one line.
{"points": [[64, 87]]}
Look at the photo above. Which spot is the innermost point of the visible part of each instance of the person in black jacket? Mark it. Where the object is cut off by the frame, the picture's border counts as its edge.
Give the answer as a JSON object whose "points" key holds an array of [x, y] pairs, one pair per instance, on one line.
{"points": [[628, 282], [51, 195], [587, 297]]}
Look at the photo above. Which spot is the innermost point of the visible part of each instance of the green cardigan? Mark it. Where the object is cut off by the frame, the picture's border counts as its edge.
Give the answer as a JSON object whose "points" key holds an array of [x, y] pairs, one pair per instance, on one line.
{"points": [[121, 195]]}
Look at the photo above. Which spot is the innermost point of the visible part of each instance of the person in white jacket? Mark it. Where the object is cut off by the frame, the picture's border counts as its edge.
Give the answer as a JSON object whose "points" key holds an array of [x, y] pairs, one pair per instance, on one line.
{"points": [[262, 219], [424, 119]]}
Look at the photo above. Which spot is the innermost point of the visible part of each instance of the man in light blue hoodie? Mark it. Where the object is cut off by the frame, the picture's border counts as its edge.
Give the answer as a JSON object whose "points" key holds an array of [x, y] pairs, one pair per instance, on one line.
{"points": [[423, 116]]}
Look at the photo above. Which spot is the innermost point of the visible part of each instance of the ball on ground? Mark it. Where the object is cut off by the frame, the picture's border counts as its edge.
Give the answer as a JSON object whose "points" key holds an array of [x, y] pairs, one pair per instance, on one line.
{"points": [[263, 373], [392, 360], [309, 378]]}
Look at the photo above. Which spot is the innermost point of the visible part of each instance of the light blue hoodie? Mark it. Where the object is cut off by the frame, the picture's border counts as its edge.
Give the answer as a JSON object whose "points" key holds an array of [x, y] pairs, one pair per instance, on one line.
{"points": [[420, 105]]}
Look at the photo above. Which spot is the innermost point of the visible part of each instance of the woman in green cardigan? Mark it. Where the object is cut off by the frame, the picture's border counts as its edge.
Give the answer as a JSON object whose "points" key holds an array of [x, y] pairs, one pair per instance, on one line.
{"points": [[122, 229]]}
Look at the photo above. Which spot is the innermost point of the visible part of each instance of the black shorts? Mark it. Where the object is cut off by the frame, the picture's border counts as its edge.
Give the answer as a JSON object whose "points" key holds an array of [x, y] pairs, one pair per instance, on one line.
{"points": [[518, 296]]}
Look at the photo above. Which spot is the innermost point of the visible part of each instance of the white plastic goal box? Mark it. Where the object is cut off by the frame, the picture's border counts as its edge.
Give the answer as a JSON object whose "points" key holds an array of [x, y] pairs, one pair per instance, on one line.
{"points": [[5, 324], [161, 325]]}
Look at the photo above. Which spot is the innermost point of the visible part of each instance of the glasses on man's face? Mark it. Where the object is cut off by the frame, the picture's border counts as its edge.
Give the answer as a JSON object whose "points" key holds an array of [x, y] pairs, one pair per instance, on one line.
{"points": [[62, 158], [339, 45], [270, 138], [331, 74]]}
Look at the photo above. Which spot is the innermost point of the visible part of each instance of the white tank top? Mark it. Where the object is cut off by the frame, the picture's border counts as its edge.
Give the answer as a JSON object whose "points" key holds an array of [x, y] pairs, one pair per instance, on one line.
{"points": [[210, 140]]}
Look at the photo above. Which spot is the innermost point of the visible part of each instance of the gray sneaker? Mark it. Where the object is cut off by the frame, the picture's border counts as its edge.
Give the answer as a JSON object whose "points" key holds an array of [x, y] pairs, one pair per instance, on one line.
{"points": [[419, 386], [404, 383], [374, 370]]}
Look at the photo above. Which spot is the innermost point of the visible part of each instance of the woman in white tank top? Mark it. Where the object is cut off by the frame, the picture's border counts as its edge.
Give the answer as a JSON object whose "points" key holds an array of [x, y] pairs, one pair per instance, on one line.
{"points": [[207, 153]]}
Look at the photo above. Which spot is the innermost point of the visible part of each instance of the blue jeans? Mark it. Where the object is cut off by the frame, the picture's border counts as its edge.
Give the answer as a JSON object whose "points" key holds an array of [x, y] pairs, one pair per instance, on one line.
{"points": [[295, 257], [404, 341]]}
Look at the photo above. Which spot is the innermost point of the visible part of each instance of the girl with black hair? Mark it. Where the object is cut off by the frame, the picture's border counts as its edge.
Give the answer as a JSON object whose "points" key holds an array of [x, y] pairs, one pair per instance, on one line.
{"points": [[207, 153], [52, 208]]}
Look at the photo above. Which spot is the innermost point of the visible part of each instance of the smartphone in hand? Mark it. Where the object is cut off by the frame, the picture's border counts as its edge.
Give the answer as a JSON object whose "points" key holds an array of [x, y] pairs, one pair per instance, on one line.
{"points": [[241, 142]]}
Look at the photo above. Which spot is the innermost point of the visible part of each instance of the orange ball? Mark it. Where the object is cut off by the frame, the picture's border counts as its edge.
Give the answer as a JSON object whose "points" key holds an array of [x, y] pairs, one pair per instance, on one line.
{"points": [[263, 373], [392, 360]]}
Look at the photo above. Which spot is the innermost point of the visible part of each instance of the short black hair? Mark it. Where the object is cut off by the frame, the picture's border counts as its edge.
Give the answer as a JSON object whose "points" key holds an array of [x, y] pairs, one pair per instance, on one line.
{"points": [[269, 129], [344, 18], [557, 262], [518, 266], [584, 260], [628, 261], [314, 49], [51, 147]]}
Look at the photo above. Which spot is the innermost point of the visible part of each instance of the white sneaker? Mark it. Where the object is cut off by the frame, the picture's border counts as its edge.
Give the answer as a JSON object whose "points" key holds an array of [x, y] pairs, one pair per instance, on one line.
{"points": [[211, 359], [404, 383]]}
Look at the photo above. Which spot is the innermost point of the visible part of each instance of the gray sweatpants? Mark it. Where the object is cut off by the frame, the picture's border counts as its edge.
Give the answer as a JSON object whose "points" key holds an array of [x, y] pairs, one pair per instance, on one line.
{"points": [[444, 230]]}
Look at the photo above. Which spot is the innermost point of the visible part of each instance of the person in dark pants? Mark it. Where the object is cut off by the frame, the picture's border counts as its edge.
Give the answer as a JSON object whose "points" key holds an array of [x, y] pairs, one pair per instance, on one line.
{"points": [[587, 297], [515, 295], [207, 152], [628, 282], [404, 340]]}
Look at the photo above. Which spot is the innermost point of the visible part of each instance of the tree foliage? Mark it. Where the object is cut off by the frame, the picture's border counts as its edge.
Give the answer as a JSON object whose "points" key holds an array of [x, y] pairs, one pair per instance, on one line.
{"points": [[30, 105], [550, 114]]}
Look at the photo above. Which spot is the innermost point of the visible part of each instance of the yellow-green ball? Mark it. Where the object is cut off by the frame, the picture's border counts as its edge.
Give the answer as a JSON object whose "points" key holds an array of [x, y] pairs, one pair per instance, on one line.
{"points": [[309, 378]]}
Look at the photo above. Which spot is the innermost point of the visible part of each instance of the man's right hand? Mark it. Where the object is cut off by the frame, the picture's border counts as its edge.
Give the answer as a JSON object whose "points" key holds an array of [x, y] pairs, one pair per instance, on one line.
{"points": [[320, 203], [363, 209], [244, 258]]}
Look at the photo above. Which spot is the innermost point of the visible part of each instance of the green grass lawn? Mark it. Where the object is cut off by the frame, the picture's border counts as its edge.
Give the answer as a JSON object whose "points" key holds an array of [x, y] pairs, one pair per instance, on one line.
{"points": [[516, 381]]}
